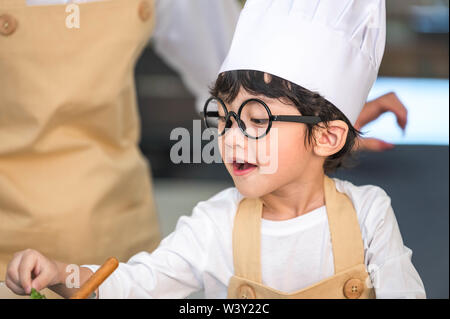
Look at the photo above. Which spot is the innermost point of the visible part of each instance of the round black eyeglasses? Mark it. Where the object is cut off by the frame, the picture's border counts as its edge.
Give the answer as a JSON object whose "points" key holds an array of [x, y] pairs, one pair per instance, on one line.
{"points": [[254, 117]]}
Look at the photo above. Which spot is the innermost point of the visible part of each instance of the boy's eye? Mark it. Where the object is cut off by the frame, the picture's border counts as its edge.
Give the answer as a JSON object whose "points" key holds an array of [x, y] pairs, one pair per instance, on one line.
{"points": [[259, 121]]}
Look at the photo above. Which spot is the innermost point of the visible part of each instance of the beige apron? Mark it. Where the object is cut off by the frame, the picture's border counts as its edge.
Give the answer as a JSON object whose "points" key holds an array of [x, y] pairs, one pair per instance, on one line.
{"points": [[350, 280], [73, 183]]}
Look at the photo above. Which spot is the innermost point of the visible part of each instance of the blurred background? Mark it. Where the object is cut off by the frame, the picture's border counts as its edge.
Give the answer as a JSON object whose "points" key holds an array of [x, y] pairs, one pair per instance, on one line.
{"points": [[414, 174]]}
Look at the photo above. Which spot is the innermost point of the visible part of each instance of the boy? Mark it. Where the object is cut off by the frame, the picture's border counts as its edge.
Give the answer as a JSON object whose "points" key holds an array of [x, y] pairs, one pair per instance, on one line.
{"points": [[299, 71]]}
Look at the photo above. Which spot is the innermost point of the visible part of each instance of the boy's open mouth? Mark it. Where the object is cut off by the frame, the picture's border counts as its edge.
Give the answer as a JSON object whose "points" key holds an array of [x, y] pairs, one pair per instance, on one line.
{"points": [[240, 169]]}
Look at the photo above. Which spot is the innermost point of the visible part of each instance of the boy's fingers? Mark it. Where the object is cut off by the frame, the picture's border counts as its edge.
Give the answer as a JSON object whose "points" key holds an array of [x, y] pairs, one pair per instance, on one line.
{"points": [[14, 287], [41, 281], [13, 269], [25, 269]]}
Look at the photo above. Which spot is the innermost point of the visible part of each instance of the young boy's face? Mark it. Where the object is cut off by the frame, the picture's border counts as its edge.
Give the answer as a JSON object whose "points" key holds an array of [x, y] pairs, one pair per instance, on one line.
{"points": [[259, 167]]}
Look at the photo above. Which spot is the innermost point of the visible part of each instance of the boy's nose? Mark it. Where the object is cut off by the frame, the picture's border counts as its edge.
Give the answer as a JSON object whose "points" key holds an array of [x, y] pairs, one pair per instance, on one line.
{"points": [[233, 144], [233, 137]]}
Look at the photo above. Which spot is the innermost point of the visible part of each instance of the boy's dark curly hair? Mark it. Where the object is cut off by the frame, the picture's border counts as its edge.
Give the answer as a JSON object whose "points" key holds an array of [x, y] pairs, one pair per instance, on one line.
{"points": [[228, 85]]}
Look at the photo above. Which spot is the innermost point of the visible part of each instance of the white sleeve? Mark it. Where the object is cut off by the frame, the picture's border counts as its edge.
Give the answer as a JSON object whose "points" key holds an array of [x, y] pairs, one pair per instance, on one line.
{"points": [[388, 260], [193, 37], [173, 270]]}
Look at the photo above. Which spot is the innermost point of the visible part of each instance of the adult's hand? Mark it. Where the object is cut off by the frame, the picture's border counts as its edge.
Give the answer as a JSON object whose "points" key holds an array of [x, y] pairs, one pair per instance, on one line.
{"points": [[371, 111]]}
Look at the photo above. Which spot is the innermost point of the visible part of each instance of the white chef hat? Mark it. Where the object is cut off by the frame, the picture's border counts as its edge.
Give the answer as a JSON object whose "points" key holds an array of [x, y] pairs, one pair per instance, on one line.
{"points": [[332, 47]]}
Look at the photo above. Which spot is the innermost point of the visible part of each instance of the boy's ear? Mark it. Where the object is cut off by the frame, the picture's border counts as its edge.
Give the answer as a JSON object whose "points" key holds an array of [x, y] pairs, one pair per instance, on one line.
{"points": [[330, 140]]}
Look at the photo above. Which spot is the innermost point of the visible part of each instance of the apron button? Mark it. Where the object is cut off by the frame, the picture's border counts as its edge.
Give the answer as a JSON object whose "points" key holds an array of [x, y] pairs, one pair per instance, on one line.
{"points": [[7, 24], [145, 10], [353, 288], [246, 292]]}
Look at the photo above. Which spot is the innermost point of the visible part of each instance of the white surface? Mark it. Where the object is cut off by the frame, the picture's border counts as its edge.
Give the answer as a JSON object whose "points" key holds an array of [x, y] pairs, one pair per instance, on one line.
{"points": [[295, 253], [427, 101]]}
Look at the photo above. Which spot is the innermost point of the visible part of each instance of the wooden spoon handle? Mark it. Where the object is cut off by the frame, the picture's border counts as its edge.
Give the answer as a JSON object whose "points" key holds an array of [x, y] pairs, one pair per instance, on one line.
{"points": [[96, 279]]}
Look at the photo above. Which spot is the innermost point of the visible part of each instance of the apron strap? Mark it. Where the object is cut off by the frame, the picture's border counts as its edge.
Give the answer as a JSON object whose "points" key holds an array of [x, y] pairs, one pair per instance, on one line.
{"points": [[346, 239], [247, 239]]}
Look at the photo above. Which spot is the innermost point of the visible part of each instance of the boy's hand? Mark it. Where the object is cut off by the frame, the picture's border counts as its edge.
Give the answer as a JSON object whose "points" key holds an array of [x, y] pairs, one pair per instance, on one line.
{"points": [[30, 269]]}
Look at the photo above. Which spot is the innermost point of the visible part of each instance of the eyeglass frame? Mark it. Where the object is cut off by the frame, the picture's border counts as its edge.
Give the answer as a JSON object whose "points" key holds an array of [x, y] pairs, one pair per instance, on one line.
{"points": [[305, 119]]}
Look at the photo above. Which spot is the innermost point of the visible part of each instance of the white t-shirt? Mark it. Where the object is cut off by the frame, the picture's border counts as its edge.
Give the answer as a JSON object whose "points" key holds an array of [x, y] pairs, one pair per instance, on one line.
{"points": [[295, 253]]}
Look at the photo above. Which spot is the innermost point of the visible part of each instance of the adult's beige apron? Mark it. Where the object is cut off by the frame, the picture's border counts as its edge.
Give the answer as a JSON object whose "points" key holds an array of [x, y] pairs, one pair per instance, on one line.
{"points": [[350, 280], [73, 183]]}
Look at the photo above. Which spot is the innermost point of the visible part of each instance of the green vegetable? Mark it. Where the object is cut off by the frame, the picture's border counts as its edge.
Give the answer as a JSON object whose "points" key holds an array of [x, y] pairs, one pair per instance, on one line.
{"points": [[36, 295]]}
